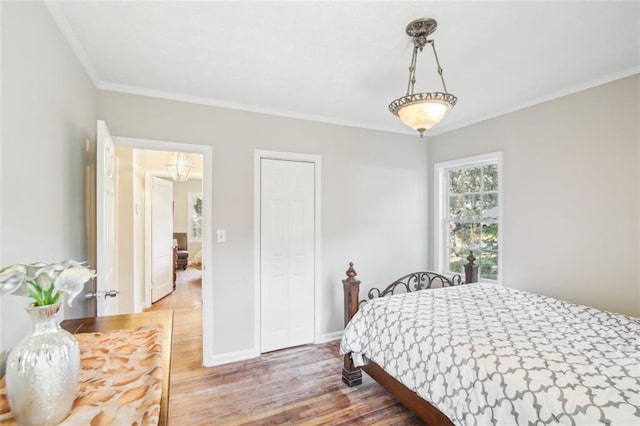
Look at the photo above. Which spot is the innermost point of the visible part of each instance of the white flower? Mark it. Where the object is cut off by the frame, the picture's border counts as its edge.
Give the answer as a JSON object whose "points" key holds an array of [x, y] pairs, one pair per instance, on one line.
{"points": [[36, 280], [71, 281], [10, 279], [44, 274]]}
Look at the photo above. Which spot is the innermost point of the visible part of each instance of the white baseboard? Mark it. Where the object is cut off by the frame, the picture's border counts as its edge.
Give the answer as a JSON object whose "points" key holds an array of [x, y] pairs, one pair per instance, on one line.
{"points": [[328, 337], [140, 308], [229, 357]]}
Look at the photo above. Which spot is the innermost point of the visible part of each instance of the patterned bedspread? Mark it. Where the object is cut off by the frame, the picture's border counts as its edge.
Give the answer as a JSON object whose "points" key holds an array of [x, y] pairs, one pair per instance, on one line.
{"points": [[486, 354]]}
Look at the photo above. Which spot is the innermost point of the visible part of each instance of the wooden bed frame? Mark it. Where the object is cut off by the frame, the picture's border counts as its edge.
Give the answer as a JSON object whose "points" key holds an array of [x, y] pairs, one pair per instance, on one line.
{"points": [[352, 375]]}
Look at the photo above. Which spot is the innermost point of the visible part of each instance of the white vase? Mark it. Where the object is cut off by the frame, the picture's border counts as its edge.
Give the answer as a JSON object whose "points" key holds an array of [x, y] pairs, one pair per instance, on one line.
{"points": [[42, 370]]}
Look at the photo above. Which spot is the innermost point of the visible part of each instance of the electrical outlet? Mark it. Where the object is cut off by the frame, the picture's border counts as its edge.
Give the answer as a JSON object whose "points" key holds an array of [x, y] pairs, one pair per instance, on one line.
{"points": [[221, 235]]}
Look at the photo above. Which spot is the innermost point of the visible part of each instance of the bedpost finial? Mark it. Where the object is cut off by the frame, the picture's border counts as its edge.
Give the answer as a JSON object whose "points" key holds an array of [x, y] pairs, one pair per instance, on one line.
{"points": [[471, 258], [351, 272]]}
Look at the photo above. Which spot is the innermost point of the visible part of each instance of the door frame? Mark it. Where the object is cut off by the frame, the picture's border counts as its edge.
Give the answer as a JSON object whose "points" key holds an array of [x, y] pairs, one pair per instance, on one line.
{"points": [[257, 173], [207, 217]]}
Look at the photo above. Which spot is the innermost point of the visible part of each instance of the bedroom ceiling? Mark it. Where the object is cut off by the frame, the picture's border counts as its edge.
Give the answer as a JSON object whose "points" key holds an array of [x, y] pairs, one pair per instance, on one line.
{"points": [[344, 62]]}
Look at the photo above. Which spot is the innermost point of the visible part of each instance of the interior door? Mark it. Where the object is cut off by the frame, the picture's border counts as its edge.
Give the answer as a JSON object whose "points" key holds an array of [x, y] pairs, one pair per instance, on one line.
{"points": [[286, 253], [161, 238], [106, 281]]}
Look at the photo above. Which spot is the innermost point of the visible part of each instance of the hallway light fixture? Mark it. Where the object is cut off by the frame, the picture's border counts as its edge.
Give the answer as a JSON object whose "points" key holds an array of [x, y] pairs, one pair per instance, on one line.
{"points": [[421, 111], [179, 166]]}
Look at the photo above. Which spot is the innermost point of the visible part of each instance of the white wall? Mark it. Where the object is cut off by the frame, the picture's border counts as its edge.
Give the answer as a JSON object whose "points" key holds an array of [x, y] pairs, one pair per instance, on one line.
{"points": [[48, 110], [180, 194], [180, 209], [571, 193], [374, 198]]}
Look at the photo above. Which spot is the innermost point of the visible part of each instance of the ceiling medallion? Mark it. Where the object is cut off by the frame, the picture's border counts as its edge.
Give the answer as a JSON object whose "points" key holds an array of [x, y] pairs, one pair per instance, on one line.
{"points": [[421, 111]]}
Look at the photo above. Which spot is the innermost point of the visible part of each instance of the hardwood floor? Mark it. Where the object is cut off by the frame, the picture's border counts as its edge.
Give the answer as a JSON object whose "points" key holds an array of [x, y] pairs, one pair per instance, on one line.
{"points": [[294, 386]]}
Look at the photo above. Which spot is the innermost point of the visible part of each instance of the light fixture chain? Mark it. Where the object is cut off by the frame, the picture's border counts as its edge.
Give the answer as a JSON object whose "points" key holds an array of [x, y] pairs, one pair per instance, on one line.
{"points": [[412, 71], [440, 70]]}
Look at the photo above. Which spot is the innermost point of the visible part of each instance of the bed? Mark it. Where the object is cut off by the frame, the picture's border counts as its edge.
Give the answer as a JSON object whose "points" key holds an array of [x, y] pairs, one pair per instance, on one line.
{"points": [[486, 354]]}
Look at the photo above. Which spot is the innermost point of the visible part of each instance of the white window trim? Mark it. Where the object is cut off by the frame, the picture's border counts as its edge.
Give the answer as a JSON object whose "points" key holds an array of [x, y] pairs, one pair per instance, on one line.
{"points": [[441, 234]]}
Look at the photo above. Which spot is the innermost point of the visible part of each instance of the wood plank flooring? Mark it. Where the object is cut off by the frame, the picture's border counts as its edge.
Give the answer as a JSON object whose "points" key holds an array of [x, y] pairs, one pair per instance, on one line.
{"points": [[294, 386]]}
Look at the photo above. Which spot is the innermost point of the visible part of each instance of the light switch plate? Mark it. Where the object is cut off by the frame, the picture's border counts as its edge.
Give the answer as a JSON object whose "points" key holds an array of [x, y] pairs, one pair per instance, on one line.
{"points": [[221, 235]]}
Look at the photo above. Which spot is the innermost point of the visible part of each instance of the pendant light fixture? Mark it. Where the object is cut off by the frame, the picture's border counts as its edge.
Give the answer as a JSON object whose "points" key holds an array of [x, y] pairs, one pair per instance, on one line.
{"points": [[421, 111], [179, 166]]}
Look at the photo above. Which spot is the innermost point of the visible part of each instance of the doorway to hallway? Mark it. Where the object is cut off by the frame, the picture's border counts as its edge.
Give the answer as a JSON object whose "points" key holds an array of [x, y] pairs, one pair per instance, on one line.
{"points": [[205, 249]]}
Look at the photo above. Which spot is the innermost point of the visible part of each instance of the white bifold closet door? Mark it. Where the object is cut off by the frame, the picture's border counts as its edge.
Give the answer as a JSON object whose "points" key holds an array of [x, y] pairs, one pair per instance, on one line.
{"points": [[286, 253]]}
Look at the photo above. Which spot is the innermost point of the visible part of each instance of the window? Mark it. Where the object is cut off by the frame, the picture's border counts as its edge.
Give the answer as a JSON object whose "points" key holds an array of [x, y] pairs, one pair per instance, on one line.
{"points": [[468, 218]]}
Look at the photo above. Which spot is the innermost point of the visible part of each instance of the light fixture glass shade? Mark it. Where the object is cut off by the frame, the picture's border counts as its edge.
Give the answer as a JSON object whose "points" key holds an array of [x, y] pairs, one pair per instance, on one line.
{"points": [[422, 111], [179, 166], [422, 116]]}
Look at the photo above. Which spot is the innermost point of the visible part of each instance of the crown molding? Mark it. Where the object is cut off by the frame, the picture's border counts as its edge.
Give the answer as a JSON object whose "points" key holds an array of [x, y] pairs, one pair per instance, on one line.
{"points": [[152, 93], [331, 120], [555, 95]]}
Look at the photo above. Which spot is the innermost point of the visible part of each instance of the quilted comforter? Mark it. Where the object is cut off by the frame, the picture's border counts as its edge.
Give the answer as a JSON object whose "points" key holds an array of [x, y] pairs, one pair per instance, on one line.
{"points": [[487, 354]]}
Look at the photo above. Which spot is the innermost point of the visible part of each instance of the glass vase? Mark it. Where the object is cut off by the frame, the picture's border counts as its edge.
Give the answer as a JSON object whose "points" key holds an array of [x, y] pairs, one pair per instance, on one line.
{"points": [[42, 370]]}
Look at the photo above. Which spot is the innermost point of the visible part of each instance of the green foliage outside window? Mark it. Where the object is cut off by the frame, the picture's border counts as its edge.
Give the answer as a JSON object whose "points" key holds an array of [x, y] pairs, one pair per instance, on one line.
{"points": [[473, 218]]}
